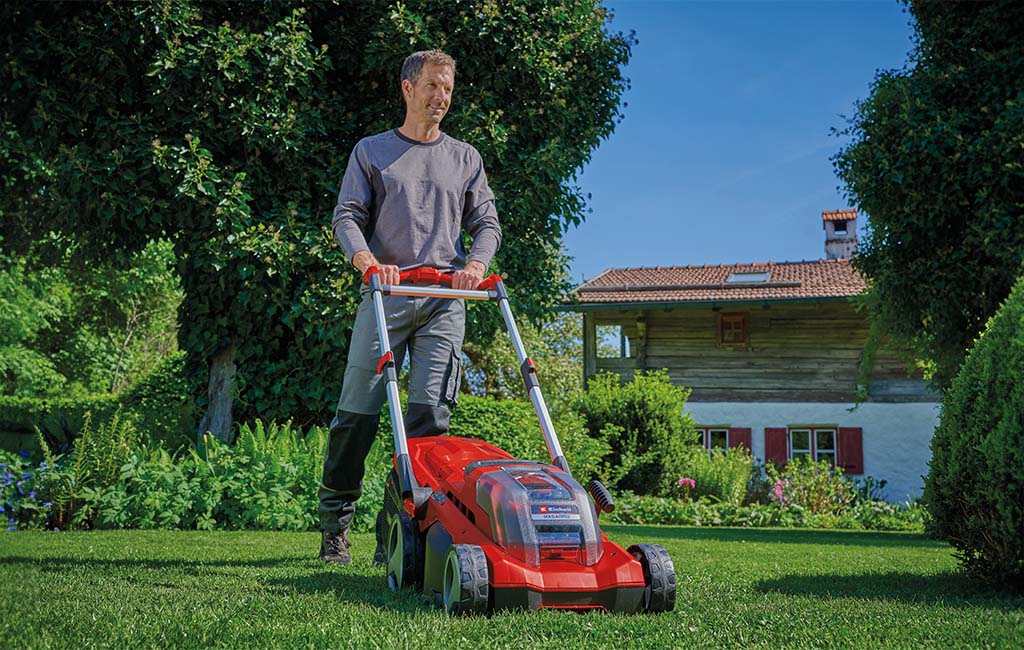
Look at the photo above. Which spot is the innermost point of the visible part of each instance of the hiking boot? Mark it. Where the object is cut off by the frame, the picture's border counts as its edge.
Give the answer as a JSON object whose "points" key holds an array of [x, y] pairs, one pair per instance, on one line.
{"points": [[334, 547]]}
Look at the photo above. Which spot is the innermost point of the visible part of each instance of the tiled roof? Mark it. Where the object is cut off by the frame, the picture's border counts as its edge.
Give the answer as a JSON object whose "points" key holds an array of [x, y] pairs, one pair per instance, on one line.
{"points": [[834, 278], [838, 215]]}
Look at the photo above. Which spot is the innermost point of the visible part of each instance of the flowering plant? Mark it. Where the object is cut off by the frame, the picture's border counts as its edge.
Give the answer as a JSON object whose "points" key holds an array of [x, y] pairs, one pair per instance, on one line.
{"points": [[687, 484]]}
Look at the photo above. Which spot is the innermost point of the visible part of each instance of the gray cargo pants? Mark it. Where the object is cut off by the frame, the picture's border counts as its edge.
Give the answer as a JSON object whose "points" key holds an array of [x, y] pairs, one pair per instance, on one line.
{"points": [[431, 330]]}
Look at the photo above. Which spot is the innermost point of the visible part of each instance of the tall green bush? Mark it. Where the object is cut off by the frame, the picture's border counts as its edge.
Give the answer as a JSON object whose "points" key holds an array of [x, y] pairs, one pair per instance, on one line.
{"points": [[975, 485], [722, 475], [645, 425]]}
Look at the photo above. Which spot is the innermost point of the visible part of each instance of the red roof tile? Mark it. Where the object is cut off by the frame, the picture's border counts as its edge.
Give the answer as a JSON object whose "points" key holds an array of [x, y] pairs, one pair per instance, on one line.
{"points": [[838, 215], [786, 281]]}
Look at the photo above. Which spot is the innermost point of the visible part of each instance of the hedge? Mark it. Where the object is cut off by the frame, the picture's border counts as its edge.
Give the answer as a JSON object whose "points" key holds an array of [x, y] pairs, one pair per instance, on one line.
{"points": [[975, 485]]}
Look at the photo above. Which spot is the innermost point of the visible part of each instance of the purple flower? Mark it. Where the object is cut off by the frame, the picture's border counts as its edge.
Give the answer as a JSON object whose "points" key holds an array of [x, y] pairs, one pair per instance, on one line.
{"points": [[26, 475], [23, 453], [687, 482], [3, 509], [43, 465], [12, 528], [56, 530], [32, 494], [47, 504]]}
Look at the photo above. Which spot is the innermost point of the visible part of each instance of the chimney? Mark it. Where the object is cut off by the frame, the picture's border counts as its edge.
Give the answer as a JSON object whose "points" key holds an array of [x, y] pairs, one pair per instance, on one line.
{"points": [[840, 233]]}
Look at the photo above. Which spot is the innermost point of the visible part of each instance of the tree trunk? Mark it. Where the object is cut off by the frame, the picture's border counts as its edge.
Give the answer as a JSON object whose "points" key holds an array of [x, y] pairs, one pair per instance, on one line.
{"points": [[217, 419]]}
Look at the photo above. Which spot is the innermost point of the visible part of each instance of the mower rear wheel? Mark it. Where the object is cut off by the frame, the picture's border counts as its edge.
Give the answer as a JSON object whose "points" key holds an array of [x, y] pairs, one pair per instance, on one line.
{"points": [[465, 588], [659, 577], [403, 552]]}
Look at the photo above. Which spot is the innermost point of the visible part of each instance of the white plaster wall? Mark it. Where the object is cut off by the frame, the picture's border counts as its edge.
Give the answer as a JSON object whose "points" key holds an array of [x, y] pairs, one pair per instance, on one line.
{"points": [[897, 437]]}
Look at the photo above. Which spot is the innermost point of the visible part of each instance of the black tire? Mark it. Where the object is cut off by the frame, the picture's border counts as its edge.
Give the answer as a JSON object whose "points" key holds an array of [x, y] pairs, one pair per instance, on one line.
{"points": [[659, 577], [465, 589], [404, 553]]}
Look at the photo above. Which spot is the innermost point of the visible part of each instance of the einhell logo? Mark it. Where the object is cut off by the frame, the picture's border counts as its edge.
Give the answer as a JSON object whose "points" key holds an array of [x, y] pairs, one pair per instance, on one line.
{"points": [[555, 512]]}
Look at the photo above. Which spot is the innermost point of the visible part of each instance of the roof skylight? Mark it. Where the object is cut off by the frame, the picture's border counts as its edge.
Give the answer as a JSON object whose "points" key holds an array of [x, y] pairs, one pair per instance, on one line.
{"points": [[749, 277]]}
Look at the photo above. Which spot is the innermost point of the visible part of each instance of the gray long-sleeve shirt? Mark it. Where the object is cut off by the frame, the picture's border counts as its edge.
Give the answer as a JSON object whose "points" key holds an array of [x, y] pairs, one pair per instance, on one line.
{"points": [[407, 202]]}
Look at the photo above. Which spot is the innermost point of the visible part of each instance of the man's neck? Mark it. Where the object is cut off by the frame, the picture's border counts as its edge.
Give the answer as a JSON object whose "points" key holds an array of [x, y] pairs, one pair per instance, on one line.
{"points": [[420, 131]]}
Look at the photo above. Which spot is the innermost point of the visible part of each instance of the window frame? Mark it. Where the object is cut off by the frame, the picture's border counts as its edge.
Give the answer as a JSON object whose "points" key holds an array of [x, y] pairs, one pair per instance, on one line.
{"points": [[744, 329], [705, 432], [813, 452]]}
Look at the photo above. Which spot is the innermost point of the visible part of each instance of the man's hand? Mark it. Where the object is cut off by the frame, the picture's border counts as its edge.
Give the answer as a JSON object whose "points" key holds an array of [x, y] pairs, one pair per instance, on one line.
{"points": [[470, 277], [389, 273]]}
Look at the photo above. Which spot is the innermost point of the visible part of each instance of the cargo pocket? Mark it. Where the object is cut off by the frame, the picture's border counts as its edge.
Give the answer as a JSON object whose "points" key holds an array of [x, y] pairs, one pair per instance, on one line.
{"points": [[452, 379]]}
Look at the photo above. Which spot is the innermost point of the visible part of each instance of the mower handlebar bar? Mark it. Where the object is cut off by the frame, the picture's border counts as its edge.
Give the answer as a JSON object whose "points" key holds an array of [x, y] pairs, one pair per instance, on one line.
{"points": [[426, 275]]}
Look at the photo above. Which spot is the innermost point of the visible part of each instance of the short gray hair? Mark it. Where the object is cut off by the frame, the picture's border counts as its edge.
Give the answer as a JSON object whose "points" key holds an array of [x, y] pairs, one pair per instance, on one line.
{"points": [[413, 64]]}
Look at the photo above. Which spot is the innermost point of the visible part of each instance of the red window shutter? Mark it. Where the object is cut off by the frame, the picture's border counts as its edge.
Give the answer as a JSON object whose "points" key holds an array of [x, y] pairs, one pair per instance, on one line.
{"points": [[775, 448], [850, 455], [740, 436]]}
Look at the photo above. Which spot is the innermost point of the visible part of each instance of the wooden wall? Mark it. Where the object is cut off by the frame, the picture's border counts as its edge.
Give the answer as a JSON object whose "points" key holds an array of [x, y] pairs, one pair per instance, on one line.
{"points": [[805, 352]]}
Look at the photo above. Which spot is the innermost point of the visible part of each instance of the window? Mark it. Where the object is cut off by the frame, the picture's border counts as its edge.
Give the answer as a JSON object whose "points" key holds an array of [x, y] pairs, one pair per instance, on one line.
{"points": [[816, 444], [712, 438], [612, 342], [799, 443], [732, 329], [745, 277], [839, 227]]}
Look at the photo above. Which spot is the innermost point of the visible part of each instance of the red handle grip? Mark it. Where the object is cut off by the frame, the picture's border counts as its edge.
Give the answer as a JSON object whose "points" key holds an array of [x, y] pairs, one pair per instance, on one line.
{"points": [[425, 275], [422, 275]]}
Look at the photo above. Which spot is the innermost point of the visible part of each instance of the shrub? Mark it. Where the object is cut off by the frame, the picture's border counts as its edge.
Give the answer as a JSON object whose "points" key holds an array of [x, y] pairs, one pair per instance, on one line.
{"points": [[819, 487], [975, 485], [645, 425], [513, 426], [721, 475]]}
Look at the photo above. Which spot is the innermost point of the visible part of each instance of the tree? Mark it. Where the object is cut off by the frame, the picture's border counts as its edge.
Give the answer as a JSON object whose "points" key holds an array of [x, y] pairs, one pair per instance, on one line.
{"points": [[937, 163], [225, 129]]}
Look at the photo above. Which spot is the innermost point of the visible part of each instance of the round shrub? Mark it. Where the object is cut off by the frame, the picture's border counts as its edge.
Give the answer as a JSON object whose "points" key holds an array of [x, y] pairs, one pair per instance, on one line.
{"points": [[644, 422], [975, 486]]}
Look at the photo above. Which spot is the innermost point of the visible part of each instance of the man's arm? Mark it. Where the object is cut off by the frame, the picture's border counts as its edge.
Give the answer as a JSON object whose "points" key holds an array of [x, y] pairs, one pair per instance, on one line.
{"points": [[480, 219], [352, 214]]}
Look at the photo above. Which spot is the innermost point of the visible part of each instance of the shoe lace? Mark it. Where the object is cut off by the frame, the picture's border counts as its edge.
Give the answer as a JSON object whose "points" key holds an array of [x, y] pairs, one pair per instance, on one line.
{"points": [[337, 542]]}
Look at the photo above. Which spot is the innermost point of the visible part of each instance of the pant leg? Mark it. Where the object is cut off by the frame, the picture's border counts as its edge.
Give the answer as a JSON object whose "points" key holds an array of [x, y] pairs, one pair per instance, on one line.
{"points": [[355, 424], [435, 366]]}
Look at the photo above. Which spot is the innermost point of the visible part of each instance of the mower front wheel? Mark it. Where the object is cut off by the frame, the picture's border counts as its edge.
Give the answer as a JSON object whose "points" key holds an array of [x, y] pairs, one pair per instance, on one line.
{"points": [[465, 588], [404, 552], [659, 577]]}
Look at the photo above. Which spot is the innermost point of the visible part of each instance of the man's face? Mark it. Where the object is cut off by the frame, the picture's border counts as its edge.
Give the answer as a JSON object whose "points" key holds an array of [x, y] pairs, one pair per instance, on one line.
{"points": [[429, 98]]}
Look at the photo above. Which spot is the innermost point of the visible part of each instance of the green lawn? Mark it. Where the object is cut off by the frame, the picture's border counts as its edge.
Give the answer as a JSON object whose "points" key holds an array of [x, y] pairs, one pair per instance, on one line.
{"points": [[737, 587]]}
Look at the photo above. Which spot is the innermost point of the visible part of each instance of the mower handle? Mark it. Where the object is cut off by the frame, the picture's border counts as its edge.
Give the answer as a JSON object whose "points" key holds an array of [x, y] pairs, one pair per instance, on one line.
{"points": [[426, 275]]}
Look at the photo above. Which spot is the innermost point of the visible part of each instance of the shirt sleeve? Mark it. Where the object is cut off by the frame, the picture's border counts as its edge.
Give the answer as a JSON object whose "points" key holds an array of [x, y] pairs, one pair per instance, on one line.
{"points": [[353, 210], [479, 217]]}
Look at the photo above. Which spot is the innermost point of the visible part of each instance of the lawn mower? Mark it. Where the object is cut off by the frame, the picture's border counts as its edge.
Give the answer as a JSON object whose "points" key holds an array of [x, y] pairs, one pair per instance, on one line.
{"points": [[477, 530]]}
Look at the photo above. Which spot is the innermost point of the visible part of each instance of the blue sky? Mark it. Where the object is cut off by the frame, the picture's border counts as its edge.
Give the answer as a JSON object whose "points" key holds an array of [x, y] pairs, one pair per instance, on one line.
{"points": [[723, 155]]}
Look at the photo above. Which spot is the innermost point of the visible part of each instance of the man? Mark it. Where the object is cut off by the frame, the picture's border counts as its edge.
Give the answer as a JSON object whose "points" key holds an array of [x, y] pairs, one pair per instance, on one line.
{"points": [[406, 197]]}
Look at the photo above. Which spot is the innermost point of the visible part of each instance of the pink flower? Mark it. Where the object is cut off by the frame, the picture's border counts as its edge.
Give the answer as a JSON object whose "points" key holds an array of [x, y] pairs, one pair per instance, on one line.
{"points": [[687, 482], [778, 490]]}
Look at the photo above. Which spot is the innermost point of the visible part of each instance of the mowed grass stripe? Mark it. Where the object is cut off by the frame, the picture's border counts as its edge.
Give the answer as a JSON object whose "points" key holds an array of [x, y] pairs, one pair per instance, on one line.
{"points": [[749, 587]]}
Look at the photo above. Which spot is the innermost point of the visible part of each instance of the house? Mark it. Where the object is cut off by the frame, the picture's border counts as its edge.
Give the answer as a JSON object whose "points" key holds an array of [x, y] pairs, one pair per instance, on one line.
{"points": [[772, 354]]}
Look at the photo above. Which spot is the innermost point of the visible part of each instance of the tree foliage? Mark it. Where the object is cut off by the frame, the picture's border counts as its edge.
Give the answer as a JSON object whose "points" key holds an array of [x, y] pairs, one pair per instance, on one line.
{"points": [[71, 328], [937, 163], [225, 129]]}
